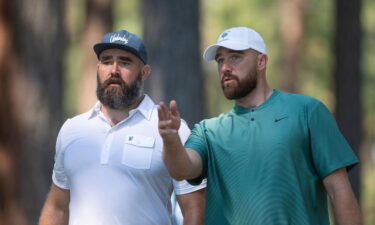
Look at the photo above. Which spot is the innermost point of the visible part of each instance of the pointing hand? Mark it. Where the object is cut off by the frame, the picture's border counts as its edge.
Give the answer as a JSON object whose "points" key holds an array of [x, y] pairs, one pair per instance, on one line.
{"points": [[169, 120]]}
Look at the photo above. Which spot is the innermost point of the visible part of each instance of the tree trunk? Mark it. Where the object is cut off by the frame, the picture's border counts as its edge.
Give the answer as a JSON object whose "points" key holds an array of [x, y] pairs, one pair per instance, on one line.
{"points": [[292, 41], [171, 35], [9, 147], [98, 22], [31, 68], [348, 78]]}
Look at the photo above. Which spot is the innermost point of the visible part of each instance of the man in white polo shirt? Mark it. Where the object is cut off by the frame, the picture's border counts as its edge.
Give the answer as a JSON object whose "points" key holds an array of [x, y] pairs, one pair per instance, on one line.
{"points": [[108, 164]]}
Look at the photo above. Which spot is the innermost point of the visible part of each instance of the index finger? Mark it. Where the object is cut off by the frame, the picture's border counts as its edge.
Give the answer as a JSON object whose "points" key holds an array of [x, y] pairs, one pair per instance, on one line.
{"points": [[162, 111]]}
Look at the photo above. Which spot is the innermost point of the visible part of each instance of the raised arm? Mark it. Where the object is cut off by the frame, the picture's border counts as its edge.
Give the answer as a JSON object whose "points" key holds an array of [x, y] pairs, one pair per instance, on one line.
{"points": [[56, 208], [181, 163], [345, 207]]}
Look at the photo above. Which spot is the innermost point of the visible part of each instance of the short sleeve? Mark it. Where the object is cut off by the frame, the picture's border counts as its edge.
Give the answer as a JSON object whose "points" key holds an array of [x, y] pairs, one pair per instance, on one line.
{"points": [[330, 150], [59, 177], [183, 187]]}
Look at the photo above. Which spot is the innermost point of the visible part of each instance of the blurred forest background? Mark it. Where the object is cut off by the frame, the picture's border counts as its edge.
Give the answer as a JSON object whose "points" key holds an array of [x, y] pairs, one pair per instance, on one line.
{"points": [[47, 73]]}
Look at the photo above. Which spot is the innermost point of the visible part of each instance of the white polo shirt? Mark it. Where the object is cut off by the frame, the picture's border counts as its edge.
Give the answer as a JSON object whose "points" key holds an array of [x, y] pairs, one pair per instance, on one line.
{"points": [[116, 174]]}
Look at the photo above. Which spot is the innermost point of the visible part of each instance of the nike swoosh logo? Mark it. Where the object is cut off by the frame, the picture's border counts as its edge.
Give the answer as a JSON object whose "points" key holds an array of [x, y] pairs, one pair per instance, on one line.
{"points": [[278, 119]]}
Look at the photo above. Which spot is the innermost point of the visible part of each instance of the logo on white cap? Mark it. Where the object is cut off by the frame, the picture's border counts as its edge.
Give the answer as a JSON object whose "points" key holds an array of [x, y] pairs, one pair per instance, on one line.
{"points": [[222, 37]]}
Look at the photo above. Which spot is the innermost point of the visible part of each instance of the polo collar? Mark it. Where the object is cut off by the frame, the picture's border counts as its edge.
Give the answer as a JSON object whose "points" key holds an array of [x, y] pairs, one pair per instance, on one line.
{"points": [[145, 108], [241, 110]]}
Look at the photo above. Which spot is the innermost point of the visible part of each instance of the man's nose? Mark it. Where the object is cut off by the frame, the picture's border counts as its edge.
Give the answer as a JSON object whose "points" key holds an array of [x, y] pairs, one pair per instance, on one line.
{"points": [[115, 67], [226, 66]]}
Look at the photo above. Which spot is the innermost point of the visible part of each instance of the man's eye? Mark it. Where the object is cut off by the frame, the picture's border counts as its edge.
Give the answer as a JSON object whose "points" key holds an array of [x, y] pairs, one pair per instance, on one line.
{"points": [[234, 58], [124, 63], [219, 60]]}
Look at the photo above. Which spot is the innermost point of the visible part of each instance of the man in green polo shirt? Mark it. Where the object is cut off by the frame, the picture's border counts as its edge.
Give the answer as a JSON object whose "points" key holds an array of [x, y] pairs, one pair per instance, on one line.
{"points": [[273, 158]]}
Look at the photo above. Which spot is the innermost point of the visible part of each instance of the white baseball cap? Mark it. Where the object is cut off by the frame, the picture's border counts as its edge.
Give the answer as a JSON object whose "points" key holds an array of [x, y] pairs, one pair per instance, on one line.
{"points": [[236, 38]]}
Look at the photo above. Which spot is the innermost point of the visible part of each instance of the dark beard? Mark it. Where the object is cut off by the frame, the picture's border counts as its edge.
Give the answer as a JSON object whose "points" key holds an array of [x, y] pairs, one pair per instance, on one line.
{"points": [[118, 97], [240, 88]]}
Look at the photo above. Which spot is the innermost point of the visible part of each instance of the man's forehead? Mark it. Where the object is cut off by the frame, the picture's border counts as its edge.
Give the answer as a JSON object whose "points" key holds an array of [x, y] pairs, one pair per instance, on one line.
{"points": [[223, 50], [115, 52]]}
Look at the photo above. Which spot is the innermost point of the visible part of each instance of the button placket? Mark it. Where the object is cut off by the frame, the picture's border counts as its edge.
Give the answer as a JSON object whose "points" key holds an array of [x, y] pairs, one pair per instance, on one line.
{"points": [[104, 157], [252, 115]]}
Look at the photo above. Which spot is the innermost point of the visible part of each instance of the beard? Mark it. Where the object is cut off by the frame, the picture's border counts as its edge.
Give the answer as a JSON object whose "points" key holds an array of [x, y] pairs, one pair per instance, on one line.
{"points": [[118, 97], [239, 88]]}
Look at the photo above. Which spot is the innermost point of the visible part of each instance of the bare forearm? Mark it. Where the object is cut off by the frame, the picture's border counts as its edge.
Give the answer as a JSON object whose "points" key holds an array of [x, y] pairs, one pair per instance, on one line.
{"points": [[192, 206], [346, 211], [194, 218], [56, 208], [344, 203], [176, 158], [53, 216]]}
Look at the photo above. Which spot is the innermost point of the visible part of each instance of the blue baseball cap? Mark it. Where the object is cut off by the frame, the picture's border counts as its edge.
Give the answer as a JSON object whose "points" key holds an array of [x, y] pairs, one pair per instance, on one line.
{"points": [[122, 40]]}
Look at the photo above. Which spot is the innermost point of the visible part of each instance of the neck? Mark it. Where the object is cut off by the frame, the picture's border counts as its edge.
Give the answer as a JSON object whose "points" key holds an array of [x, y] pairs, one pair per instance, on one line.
{"points": [[255, 97], [114, 116]]}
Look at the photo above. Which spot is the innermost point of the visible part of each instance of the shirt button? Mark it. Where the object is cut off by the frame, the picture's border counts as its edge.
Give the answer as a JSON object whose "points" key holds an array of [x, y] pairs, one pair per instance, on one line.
{"points": [[252, 119]]}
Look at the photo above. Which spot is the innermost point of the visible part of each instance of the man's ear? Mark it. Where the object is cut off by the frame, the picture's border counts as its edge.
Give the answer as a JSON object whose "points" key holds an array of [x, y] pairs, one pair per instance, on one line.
{"points": [[262, 61], [146, 71]]}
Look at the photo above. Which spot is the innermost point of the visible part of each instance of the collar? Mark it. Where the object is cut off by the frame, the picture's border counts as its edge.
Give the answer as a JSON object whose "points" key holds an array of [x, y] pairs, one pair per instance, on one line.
{"points": [[241, 110]]}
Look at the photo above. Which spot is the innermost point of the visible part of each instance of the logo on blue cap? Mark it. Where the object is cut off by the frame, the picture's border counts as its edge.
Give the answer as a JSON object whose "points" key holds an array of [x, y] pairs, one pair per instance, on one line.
{"points": [[117, 38]]}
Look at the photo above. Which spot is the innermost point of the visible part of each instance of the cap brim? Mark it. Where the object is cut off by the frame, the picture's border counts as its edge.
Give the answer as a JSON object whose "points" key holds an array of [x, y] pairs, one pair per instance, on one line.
{"points": [[210, 52], [100, 47]]}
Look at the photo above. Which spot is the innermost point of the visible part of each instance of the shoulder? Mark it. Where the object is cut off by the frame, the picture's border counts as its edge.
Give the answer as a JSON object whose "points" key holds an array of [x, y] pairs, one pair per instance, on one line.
{"points": [[306, 105], [298, 102], [77, 124], [77, 120], [293, 98]]}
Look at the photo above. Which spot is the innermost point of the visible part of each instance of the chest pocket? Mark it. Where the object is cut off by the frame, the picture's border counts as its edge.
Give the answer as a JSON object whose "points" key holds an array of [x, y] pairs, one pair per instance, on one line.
{"points": [[138, 150]]}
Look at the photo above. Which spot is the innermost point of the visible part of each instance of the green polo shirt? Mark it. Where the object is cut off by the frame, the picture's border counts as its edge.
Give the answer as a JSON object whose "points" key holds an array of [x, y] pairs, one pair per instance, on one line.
{"points": [[265, 165]]}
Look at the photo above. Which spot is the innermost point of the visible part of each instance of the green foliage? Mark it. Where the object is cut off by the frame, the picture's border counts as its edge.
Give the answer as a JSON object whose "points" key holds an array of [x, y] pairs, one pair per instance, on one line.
{"points": [[127, 16], [368, 68], [318, 64], [75, 19], [73, 63]]}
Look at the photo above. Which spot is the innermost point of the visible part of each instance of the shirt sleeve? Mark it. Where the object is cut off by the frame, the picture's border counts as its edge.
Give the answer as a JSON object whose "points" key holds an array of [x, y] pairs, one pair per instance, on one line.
{"points": [[59, 177], [183, 187], [330, 150]]}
